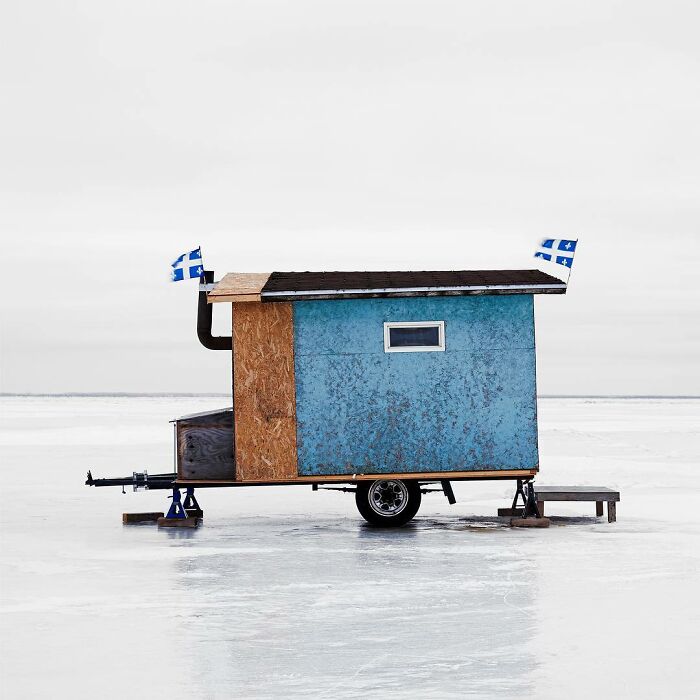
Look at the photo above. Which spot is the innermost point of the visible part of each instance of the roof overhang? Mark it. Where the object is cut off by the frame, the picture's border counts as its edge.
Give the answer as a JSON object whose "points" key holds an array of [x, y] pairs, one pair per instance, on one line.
{"points": [[271, 287], [413, 292]]}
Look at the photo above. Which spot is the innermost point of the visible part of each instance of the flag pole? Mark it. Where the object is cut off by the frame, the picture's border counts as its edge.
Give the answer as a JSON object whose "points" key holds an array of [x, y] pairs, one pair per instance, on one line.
{"points": [[568, 277]]}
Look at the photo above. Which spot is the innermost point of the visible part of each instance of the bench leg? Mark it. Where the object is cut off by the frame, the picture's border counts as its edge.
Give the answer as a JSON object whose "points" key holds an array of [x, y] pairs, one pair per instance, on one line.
{"points": [[612, 511], [540, 507], [599, 508]]}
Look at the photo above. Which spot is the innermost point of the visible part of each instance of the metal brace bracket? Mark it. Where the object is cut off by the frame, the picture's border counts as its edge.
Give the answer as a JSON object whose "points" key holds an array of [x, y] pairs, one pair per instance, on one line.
{"points": [[447, 490]]}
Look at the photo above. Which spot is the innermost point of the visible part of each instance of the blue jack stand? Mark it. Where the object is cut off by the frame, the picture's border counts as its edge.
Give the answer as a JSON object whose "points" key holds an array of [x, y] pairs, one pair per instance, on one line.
{"points": [[177, 516], [176, 508], [190, 505]]}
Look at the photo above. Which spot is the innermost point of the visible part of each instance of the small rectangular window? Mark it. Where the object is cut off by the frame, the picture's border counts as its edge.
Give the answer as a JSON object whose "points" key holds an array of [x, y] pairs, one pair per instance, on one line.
{"points": [[414, 336]]}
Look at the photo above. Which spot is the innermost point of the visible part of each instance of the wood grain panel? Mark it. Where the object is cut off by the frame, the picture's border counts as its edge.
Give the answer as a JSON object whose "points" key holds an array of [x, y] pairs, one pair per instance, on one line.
{"points": [[205, 452], [205, 446], [263, 386], [238, 286]]}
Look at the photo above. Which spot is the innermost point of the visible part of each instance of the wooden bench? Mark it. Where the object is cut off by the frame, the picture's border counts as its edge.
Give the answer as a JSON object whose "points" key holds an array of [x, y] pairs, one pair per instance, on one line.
{"points": [[599, 494]]}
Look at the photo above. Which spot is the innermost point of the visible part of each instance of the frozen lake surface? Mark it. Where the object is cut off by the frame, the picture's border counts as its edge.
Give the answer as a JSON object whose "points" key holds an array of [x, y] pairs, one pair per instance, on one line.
{"points": [[286, 593]]}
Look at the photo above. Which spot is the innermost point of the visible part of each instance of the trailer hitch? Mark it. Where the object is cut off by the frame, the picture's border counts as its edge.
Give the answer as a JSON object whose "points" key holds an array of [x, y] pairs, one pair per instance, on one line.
{"points": [[138, 480]]}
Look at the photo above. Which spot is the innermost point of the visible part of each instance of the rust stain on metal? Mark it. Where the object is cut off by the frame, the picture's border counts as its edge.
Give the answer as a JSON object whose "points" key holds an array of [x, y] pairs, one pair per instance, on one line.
{"points": [[263, 384]]}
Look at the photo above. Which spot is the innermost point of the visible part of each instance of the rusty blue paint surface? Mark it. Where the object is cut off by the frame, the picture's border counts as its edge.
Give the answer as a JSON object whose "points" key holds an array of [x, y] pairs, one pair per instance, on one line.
{"points": [[471, 407]]}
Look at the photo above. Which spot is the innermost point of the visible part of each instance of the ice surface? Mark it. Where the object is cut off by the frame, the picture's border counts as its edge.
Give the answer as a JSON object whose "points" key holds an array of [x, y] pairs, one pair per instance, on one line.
{"points": [[285, 593]]}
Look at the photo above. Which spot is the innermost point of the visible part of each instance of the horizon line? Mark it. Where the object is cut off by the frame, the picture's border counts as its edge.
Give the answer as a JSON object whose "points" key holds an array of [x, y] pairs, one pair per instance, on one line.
{"points": [[179, 394]]}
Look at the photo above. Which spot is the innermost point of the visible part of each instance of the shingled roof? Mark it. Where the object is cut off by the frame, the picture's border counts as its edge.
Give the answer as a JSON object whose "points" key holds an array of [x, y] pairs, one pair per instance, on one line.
{"points": [[289, 286], [293, 286]]}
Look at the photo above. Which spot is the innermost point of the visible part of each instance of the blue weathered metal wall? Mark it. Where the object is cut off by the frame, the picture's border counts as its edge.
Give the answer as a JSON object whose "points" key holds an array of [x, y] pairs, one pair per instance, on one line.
{"points": [[471, 407]]}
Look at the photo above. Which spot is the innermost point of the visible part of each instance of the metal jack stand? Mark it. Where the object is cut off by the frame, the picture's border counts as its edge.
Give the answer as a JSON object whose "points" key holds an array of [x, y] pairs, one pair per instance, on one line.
{"points": [[519, 492], [515, 510], [530, 510], [176, 509], [531, 516], [190, 505], [525, 491], [177, 516]]}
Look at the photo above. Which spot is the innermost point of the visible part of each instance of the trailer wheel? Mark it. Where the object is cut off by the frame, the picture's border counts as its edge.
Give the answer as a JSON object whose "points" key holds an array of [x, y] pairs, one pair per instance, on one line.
{"points": [[388, 502]]}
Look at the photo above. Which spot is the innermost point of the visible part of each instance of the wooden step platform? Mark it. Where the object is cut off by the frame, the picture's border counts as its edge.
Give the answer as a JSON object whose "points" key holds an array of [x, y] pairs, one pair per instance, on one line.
{"points": [[599, 494]]}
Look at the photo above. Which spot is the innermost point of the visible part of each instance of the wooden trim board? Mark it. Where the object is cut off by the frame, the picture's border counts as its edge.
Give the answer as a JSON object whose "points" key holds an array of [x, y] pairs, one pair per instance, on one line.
{"points": [[351, 478], [238, 287]]}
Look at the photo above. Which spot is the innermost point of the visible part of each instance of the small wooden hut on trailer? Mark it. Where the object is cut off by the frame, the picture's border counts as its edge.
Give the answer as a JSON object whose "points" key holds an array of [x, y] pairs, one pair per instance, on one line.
{"points": [[385, 380]]}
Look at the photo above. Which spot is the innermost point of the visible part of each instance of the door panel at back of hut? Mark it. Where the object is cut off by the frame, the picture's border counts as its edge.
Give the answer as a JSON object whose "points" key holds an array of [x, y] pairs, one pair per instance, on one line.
{"points": [[362, 409]]}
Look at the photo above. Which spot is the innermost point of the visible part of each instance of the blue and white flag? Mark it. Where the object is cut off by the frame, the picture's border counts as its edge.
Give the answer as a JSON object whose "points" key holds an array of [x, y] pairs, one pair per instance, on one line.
{"points": [[558, 250], [187, 266]]}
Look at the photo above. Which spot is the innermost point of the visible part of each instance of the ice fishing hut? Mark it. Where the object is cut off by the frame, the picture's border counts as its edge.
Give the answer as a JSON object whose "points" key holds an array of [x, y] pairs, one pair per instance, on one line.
{"points": [[385, 380]]}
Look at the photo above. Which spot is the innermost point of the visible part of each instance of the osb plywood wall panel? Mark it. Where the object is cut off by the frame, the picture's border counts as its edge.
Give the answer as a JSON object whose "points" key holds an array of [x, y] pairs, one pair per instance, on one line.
{"points": [[263, 385]]}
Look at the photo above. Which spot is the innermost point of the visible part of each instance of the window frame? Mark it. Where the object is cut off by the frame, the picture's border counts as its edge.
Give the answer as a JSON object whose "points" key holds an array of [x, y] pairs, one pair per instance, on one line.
{"points": [[440, 325]]}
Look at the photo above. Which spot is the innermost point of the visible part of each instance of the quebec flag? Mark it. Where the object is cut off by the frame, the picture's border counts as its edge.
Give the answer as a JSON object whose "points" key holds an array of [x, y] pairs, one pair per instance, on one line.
{"points": [[558, 250], [187, 266]]}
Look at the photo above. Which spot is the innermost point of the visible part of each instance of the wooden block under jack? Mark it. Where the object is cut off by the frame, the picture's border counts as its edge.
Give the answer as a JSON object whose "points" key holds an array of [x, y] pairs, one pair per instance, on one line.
{"points": [[178, 522], [194, 512], [505, 512], [529, 522], [130, 518]]}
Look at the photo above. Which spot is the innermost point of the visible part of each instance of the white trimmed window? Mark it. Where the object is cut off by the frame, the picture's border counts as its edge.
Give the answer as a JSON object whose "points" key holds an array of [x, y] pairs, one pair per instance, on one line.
{"points": [[414, 336]]}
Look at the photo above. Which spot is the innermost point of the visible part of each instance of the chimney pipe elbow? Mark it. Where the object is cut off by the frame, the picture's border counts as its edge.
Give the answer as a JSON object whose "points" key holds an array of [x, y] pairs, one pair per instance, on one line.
{"points": [[204, 320]]}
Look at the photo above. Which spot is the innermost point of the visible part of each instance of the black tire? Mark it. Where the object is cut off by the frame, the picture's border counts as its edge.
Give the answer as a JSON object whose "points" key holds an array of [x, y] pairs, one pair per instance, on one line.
{"points": [[388, 502]]}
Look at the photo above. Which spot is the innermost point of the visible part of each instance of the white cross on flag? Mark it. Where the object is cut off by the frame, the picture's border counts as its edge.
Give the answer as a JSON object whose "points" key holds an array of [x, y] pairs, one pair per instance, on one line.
{"points": [[187, 266], [558, 250]]}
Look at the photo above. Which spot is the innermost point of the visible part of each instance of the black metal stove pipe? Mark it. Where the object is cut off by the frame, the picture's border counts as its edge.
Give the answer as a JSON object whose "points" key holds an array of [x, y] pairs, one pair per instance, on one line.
{"points": [[204, 317]]}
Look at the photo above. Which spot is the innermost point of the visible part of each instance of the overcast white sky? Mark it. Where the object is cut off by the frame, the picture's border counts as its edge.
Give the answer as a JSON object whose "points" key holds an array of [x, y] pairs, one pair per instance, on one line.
{"points": [[345, 135]]}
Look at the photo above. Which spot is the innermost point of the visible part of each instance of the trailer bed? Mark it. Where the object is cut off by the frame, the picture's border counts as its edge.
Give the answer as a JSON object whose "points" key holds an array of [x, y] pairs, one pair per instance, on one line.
{"points": [[493, 474]]}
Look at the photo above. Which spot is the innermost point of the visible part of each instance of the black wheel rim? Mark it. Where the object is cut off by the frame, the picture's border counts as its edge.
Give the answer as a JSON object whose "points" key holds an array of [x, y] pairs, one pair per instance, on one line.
{"points": [[388, 498]]}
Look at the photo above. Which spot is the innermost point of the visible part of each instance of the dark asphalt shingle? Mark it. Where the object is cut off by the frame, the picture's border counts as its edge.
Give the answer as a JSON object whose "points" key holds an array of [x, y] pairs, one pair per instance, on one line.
{"points": [[301, 282]]}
